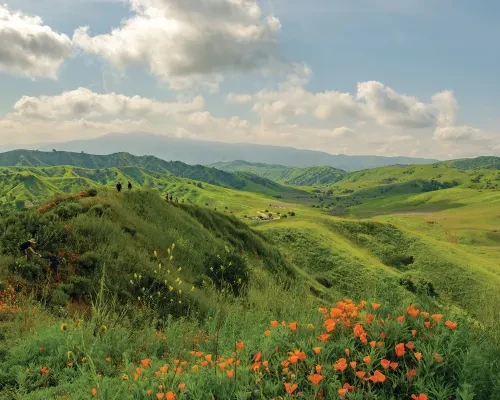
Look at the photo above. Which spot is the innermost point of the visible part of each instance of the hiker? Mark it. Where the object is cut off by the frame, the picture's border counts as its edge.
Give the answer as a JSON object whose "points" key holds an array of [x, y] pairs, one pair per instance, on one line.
{"points": [[27, 249], [53, 264], [166, 197], [119, 187], [129, 186], [177, 200]]}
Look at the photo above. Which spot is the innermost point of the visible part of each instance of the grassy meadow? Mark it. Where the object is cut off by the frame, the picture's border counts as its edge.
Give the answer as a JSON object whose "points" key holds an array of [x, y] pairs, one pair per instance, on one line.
{"points": [[396, 297]]}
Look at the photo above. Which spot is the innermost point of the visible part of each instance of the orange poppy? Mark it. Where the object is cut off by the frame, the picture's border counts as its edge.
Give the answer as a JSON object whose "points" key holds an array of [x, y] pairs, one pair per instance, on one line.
{"points": [[240, 345], [274, 324], [450, 325], [412, 311], [146, 362], [410, 345], [315, 379], [267, 332], [230, 373], [222, 366], [418, 356], [322, 310], [108, 359], [377, 377], [358, 330], [160, 396], [182, 386], [170, 396], [373, 343], [419, 397], [400, 349], [94, 392], [353, 364], [44, 370], [385, 363], [291, 387], [164, 369], [342, 392], [360, 374], [317, 350], [376, 306], [200, 353], [340, 365], [195, 368], [411, 374], [427, 324], [329, 325], [323, 338], [208, 358], [394, 365], [437, 357], [401, 319], [347, 352], [367, 360], [437, 317], [293, 326], [318, 369]]}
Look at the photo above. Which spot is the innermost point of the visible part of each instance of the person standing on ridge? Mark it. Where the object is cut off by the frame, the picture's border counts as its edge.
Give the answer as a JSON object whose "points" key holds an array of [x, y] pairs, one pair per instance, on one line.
{"points": [[119, 187], [53, 264], [129, 186]]}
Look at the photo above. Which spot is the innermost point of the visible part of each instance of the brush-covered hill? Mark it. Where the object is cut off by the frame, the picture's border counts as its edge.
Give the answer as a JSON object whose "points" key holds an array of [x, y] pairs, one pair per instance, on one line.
{"points": [[485, 162], [239, 181], [310, 176]]}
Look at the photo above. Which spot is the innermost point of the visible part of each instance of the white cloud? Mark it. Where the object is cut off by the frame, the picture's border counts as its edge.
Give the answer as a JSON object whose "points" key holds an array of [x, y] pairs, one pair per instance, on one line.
{"points": [[187, 41], [83, 103], [343, 132], [29, 48], [455, 133]]}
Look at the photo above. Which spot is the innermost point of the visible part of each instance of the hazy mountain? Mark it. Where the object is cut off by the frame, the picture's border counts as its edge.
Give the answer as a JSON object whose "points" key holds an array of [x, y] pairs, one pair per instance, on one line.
{"points": [[205, 152], [309, 176]]}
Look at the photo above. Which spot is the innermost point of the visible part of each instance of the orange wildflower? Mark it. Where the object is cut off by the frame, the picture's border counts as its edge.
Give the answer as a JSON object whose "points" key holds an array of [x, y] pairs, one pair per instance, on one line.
{"points": [[230, 373], [322, 310], [329, 325], [200, 353], [385, 363], [411, 374], [373, 343], [353, 364], [195, 368], [164, 369], [412, 311], [427, 324], [424, 314], [94, 392], [222, 366], [410, 345], [274, 324], [342, 392], [146, 362], [360, 374], [208, 358], [257, 357], [267, 332], [315, 379], [318, 369], [178, 371], [450, 325], [108, 359], [437, 317], [70, 364], [413, 332], [340, 365], [291, 387], [401, 319], [438, 358], [317, 350], [394, 365], [170, 396], [421, 396], [44, 370], [400, 349], [160, 396], [323, 338], [376, 306], [204, 363], [293, 326], [347, 352], [367, 360], [377, 377], [369, 318], [358, 330], [149, 392], [241, 345], [418, 356]]}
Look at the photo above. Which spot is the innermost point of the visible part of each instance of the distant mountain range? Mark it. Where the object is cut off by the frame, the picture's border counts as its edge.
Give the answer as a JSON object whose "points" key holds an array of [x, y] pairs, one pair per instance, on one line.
{"points": [[309, 176], [204, 152]]}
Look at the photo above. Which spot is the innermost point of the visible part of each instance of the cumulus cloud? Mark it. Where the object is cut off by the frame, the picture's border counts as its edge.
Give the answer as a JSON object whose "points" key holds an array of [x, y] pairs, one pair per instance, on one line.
{"points": [[29, 48], [186, 41], [343, 132], [83, 103], [455, 132]]}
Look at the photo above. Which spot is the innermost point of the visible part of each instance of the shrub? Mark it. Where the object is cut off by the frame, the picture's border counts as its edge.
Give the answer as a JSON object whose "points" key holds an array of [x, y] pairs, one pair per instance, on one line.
{"points": [[88, 263], [92, 192], [228, 271]]}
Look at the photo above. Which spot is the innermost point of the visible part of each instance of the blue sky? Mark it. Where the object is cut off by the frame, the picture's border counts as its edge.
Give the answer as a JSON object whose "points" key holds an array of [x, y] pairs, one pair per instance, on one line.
{"points": [[388, 77]]}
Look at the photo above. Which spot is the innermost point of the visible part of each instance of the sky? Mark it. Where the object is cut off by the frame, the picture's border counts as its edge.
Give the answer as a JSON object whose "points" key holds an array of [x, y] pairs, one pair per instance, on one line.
{"points": [[384, 77]]}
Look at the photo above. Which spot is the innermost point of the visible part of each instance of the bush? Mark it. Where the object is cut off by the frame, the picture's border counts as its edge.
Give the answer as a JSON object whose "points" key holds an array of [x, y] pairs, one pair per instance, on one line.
{"points": [[88, 263], [92, 192], [228, 272]]}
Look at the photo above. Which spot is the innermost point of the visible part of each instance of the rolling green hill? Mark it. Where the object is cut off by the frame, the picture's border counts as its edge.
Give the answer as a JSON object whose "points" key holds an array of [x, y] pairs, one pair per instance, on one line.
{"points": [[311, 176], [240, 181], [485, 162]]}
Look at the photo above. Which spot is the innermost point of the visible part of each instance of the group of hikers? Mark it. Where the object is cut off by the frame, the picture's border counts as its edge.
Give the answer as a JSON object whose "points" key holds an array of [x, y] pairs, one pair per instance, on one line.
{"points": [[27, 250], [172, 198], [119, 186]]}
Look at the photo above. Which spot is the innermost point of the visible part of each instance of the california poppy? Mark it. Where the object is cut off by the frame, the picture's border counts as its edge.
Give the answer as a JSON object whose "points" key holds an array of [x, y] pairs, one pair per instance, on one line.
{"points": [[450, 325], [340, 365], [267, 332], [394, 365], [315, 379], [401, 319], [376, 306], [360, 374], [367, 360], [94, 392], [418, 356], [241, 345], [146, 362], [353, 364], [421, 396], [293, 326], [322, 310], [323, 338], [291, 387], [410, 345], [427, 324], [377, 377], [230, 373], [274, 324], [437, 317], [411, 374], [400, 349], [385, 363], [342, 392], [317, 350], [170, 396]]}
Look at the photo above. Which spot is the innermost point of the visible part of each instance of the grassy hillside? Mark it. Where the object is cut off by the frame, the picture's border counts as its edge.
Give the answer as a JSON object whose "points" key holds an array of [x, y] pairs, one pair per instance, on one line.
{"points": [[311, 176], [485, 162], [28, 186], [249, 182]]}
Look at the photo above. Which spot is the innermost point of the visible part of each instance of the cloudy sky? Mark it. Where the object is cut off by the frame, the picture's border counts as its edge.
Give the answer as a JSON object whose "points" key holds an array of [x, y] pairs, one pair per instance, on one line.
{"points": [[386, 77]]}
